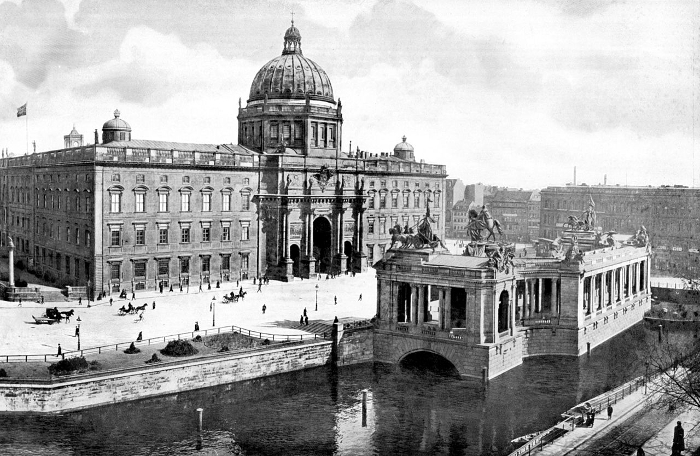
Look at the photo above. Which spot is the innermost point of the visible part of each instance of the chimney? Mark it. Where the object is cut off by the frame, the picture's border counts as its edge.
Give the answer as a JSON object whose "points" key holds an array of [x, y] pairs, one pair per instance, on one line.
{"points": [[97, 138], [605, 179], [574, 175]]}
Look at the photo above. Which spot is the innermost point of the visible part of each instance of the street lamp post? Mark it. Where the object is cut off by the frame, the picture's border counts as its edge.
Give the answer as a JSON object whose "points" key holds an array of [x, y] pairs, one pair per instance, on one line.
{"points": [[646, 376], [78, 340], [89, 283], [317, 297], [213, 309]]}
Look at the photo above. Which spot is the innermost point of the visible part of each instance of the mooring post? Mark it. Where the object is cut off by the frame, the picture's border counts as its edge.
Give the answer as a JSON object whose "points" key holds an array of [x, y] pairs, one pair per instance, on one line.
{"points": [[661, 331], [364, 409], [484, 375], [199, 419], [588, 349]]}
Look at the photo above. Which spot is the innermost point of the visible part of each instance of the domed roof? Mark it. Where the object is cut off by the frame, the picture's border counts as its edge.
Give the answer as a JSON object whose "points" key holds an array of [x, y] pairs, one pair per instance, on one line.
{"points": [[74, 132], [291, 75], [116, 123], [403, 146]]}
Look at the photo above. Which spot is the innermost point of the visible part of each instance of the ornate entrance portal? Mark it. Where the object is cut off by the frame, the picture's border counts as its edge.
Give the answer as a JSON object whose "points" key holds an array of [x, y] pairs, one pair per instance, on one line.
{"points": [[322, 245]]}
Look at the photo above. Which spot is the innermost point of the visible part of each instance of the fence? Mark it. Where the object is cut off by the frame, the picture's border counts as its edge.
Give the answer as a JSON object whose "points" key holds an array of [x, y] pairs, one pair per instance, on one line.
{"points": [[573, 416], [163, 339]]}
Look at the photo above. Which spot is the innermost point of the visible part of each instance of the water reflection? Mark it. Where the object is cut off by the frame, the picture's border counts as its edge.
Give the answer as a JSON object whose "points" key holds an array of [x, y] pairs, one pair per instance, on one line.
{"points": [[409, 410]]}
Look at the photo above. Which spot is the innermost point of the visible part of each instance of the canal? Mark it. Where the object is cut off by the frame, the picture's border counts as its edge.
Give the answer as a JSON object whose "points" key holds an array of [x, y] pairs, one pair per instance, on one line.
{"points": [[422, 409]]}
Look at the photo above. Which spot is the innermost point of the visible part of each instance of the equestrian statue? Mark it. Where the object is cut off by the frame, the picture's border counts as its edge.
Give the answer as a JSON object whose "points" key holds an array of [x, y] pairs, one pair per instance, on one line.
{"points": [[423, 236], [483, 221]]}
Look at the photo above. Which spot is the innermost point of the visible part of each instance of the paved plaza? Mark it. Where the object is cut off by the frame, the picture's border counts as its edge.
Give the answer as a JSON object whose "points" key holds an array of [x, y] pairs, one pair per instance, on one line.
{"points": [[177, 312]]}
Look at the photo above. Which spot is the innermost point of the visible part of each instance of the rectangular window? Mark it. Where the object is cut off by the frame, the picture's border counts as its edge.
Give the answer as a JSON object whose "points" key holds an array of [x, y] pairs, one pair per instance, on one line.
{"points": [[382, 201], [116, 271], [226, 233], [185, 206], [206, 261], [140, 236], [226, 202], [226, 262], [116, 238], [405, 199], [370, 202], [140, 202], [322, 134], [116, 205], [331, 136], [244, 262], [163, 266], [286, 131], [206, 234], [140, 269], [163, 202], [416, 200], [245, 232], [297, 130], [185, 235], [77, 236], [87, 237], [184, 265], [163, 236], [76, 269], [382, 226], [274, 131], [67, 265], [394, 200], [87, 204], [314, 136], [206, 202], [370, 227], [245, 201]]}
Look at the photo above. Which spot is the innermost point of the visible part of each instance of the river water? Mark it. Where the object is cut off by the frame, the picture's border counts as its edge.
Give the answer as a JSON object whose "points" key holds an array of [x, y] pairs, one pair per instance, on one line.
{"points": [[419, 409]]}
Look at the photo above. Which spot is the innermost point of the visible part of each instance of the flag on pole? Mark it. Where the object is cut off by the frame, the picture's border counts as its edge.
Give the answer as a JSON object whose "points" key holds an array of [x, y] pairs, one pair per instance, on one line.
{"points": [[22, 110]]}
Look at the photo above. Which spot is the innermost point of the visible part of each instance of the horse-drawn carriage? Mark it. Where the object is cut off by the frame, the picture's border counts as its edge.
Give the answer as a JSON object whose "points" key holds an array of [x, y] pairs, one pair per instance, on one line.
{"points": [[233, 297], [131, 309], [52, 315]]}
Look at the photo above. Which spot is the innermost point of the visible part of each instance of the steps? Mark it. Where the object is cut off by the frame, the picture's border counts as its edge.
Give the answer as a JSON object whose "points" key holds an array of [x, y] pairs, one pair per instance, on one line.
{"points": [[53, 296]]}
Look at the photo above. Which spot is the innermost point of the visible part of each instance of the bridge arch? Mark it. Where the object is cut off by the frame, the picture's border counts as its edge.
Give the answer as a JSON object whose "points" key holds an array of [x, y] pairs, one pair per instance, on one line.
{"points": [[427, 358]]}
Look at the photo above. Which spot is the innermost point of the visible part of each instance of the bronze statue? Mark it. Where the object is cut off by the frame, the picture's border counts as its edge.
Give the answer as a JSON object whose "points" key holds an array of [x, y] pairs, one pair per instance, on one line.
{"points": [[482, 221]]}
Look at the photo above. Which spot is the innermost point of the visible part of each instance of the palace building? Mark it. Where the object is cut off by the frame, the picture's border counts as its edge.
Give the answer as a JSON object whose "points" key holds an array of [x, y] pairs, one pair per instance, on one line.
{"points": [[285, 202]]}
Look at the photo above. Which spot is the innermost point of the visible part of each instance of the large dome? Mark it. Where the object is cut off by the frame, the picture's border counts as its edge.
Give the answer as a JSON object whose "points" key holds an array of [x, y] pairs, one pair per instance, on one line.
{"points": [[291, 75], [116, 123]]}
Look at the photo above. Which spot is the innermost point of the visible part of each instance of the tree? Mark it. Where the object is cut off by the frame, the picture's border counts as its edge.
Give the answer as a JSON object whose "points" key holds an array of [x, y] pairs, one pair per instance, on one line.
{"points": [[673, 366]]}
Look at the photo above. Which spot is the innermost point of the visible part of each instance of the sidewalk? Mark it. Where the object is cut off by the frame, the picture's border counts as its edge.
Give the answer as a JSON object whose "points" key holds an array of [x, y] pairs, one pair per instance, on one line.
{"points": [[660, 444]]}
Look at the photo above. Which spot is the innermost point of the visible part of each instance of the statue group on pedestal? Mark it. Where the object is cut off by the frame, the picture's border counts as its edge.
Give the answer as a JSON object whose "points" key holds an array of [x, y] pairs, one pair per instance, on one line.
{"points": [[423, 237], [480, 222], [588, 219]]}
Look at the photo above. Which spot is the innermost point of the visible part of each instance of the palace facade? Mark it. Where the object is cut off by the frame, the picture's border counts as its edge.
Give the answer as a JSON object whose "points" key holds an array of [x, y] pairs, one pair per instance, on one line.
{"points": [[285, 202]]}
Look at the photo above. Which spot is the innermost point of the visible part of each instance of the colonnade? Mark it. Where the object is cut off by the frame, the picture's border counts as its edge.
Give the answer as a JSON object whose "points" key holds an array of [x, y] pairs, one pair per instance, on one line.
{"points": [[613, 285], [532, 299]]}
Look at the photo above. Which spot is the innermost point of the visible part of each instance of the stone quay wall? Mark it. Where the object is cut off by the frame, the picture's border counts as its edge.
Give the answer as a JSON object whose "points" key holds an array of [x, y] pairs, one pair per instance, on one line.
{"points": [[550, 340], [356, 346], [612, 323], [115, 387]]}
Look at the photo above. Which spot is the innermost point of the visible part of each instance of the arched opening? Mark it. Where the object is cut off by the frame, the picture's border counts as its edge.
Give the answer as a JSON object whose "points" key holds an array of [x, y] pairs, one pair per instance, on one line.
{"points": [[347, 250], [503, 312], [423, 362], [294, 253], [322, 245]]}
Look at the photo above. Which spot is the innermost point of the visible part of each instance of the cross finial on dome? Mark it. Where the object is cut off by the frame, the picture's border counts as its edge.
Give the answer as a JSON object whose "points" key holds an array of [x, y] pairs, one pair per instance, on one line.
{"points": [[404, 138], [116, 113]]}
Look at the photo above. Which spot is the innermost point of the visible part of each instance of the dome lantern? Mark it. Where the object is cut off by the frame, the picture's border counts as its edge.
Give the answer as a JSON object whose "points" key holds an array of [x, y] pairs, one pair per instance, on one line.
{"points": [[116, 129], [404, 150], [292, 41]]}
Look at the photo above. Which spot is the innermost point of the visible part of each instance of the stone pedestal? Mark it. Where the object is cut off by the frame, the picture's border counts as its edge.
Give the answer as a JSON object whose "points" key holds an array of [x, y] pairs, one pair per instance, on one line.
{"points": [[341, 263], [12, 266], [360, 262], [308, 267], [288, 270]]}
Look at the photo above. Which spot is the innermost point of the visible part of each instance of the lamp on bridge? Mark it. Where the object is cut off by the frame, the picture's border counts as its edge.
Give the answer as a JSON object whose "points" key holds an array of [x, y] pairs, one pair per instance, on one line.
{"points": [[213, 309], [317, 297]]}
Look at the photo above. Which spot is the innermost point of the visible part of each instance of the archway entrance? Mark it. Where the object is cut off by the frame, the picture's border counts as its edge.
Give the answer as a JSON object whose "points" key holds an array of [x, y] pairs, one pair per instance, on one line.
{"points": [[294, 253], [322, 245], [503, 312], [347, 250], [425, 361]]}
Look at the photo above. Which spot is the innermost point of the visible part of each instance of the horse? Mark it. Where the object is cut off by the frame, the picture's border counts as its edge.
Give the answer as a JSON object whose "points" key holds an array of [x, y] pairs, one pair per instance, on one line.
{"points": [[123, 310], [139, 308], [242, 294], [483, 221], [68, 314], [406, 240], [575, 223]]}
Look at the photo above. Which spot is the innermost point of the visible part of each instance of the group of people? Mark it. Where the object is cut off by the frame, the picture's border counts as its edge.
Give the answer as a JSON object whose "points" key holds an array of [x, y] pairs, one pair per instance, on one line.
{"points": [[304, 319]]}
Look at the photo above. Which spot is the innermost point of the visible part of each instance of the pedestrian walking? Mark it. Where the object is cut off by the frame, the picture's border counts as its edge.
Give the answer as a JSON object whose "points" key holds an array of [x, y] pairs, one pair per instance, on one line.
{"points": [[80, 300], [59, 351], [154, 305], [200, 287], [678, 440], [20, 303], [196, 326], [77, 331], [110, 301], [301, 320], [335, 320], [161, 287], [133, 296], [306, 320], [360, 298], [141, 316], [304, 311], [640, 452], [335, 300], [253, 280], [42, 299], [610, 411], [237, 283], [259, 287], [264, 308], [139, 338]]}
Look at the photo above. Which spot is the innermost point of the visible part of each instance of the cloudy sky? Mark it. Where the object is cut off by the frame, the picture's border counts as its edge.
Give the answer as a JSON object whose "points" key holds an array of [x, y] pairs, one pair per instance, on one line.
{"points": [[511, 93]]}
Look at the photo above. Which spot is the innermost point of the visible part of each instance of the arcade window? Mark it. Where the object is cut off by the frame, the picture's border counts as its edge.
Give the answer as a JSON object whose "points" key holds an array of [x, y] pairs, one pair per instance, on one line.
{"points": [[140, 236], [140, 202], [226, 202], [206, 202], [115, 269], [206, 261], [184, 265], [163, 236], [185, 235], [185, 202], [163, 266]]}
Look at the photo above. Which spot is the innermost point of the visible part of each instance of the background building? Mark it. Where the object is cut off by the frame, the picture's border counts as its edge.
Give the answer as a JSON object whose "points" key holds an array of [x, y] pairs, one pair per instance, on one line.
{"points": [[671, 215], [512, 209], [286, 202]]}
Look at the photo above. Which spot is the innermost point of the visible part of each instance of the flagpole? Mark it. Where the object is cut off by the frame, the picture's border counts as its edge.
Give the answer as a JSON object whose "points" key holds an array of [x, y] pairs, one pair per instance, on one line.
{"points": [[26, 129]]}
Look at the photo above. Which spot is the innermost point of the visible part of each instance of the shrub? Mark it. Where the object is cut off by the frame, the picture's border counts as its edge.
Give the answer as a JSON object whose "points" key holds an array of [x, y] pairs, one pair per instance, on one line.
{"points": [[223, 349], [20, 283], [198, 338], [266, 342], [3, 373], [132, 350], [69, 366], [179, 348], [154, 359], [94, 365], [20, 264]]}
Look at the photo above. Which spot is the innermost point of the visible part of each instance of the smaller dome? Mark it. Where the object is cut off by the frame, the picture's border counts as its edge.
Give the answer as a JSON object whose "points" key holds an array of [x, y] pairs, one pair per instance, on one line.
{"points": [[74, 132], [116, 123], [292, 33], [403, 146]]}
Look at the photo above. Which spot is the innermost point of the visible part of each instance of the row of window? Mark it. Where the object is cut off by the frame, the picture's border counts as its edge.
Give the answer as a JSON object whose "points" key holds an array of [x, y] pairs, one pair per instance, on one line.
{"points": [[406, 184], [185, 201], [117, 238], [380, 226], [141, 178], [184, 266], [54, 231], [406, 198]]}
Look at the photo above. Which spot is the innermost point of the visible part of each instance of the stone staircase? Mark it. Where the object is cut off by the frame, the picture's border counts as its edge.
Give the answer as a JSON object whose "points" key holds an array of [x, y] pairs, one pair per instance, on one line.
{"points": [[53, 296]]}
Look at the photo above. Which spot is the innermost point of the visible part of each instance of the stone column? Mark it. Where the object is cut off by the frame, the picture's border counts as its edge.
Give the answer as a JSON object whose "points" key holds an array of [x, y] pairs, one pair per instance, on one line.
{"points": [[512, 303], [540, 283], [603, 289], [448, 308], [553, 297], [421, 305], [11, 259], [441, 307], [638, 278], [286, 234], [628, 282], [414, 304], [526, 299]]}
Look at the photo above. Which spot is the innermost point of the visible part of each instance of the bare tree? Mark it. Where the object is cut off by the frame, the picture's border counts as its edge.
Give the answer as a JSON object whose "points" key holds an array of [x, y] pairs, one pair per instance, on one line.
{"points": [[674, 365]]}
